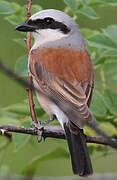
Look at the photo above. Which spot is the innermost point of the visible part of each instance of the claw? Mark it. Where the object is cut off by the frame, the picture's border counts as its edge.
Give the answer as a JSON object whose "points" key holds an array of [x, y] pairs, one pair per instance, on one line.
{"points": [[40, 135], [36, 125], [40, 126]]}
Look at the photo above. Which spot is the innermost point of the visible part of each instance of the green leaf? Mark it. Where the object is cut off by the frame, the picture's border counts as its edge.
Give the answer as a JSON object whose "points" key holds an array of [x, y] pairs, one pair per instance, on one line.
{"points": [[109, 53], [98, 106], [110, 99], [112, 79], [72, 4], [102, 60], [89, 12], [14, 19], [35, 8], [20, 42], [38, 108], [15, 6], [110, 67], [19, 113], [112, 2], [8, 118], [95, 2], [4, 142], [101, 2], [111, 32], [21, 66], [5, 120], [33, 165], [109, 128], [6, 7], [19, 16], [20, 140], [87, 33], [101, 41], [19, 109], [26, 122]]}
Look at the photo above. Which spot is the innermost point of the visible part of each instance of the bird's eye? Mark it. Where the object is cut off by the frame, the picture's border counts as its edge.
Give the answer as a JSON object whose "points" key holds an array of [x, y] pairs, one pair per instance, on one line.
{"points": [[48, 20]]}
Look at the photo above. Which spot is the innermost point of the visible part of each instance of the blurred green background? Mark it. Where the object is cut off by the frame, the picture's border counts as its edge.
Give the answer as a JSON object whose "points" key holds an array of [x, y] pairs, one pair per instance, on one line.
{"points": [[11, 93]]}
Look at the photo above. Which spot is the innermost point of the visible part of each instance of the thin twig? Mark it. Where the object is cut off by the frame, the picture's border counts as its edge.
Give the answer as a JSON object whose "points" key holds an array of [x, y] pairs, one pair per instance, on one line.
{"points": [[53, 132], [29, 90], [10, 73]]}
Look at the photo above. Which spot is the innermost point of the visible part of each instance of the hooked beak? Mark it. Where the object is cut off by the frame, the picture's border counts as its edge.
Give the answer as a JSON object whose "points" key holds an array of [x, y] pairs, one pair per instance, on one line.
{"points": [[26, 27]]}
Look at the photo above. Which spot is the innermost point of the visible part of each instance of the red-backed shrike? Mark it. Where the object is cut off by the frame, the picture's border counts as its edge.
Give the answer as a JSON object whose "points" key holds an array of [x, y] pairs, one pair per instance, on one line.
{"points": [[63, 77]]}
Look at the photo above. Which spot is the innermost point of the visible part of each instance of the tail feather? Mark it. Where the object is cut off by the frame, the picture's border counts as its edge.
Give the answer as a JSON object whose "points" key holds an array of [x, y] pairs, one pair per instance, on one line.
{"points": [[81, 163]]}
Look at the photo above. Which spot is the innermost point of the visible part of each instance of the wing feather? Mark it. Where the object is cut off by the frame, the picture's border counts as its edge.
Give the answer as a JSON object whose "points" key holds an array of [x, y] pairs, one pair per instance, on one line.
{"points": [[70, 100]]}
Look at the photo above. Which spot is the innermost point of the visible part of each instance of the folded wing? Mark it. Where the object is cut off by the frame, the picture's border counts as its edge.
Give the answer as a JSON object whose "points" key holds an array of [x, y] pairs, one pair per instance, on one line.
{"points": [[72, 101]]}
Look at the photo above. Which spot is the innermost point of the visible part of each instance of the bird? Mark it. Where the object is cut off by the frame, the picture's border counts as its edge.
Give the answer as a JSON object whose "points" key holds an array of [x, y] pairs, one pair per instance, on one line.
{"points": [[63, 77]]}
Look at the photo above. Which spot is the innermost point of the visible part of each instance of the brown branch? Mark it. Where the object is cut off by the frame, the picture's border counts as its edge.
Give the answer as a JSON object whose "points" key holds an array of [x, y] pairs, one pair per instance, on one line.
{"points": [[29, 90], [29, 9], [54, 132]]}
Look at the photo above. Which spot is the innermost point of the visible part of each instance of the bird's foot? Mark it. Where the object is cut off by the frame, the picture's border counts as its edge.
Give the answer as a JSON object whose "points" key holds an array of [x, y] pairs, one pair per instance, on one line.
{"points": [[40, 126], [40, 129]]}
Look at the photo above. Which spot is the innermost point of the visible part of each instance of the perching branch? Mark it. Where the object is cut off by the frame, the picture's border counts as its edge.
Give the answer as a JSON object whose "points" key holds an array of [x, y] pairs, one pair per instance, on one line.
{"points": [[29, 90], [53, 132]]}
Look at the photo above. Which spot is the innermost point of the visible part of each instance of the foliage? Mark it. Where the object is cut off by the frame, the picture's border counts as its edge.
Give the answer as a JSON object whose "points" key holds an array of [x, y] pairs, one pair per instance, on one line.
{"points": [[102, 45]]}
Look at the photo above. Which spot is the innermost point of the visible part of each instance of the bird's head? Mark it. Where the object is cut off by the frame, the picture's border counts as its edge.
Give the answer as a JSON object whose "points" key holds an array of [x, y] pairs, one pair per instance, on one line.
{"points": [[49, 26]]}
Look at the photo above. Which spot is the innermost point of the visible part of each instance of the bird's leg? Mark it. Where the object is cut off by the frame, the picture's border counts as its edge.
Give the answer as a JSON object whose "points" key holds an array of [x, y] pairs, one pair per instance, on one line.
{"points": [[49, 120], [40, 126]]}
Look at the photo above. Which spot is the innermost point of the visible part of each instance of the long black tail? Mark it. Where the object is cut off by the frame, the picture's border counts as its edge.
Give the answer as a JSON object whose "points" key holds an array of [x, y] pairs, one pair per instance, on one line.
{"points": [[81, 163]]}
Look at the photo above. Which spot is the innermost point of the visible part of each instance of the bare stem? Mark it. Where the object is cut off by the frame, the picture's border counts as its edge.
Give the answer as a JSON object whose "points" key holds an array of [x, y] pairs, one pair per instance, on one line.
{"points": [[53, 132], [29, 90]]}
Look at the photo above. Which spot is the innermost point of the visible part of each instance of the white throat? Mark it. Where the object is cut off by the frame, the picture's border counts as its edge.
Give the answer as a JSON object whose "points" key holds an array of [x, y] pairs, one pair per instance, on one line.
{"points": [[49, 38], [46, 36]]}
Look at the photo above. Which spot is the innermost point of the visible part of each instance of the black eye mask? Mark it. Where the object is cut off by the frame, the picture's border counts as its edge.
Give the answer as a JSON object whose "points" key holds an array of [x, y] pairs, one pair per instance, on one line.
{"points": [[48, 23]]}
